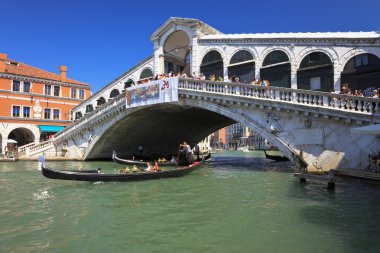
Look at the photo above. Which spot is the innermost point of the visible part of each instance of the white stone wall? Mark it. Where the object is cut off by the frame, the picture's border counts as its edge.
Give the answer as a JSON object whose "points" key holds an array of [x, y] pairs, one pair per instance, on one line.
{"points": [[7, 128]]}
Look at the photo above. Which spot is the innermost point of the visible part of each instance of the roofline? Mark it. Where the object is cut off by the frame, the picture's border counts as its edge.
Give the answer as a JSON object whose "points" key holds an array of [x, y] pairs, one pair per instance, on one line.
{"points": [[117, 79], [43, 80], [182, 20], [18, 62]]}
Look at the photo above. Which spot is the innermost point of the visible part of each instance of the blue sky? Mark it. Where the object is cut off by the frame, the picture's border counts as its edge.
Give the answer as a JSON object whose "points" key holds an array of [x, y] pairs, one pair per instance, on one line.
{"points": [[99, 40]]}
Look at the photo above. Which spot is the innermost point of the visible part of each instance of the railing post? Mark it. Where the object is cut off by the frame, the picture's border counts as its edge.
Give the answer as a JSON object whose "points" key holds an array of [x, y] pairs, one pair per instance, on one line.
{"points": [[325, 101], [277, 95]]}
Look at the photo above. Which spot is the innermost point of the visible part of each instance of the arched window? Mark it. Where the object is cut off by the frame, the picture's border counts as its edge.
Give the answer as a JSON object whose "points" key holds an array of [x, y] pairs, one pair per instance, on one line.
{"points": [[361, 71], [101, 101], [316, 72], [276, 69], [212, 63], [114, 93], [128, 83], [89, 108], [242, 66], [78, 115], [146, 73]]}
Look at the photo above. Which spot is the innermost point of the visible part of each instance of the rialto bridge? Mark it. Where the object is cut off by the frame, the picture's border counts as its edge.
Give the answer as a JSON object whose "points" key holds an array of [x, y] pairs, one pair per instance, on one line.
{"points": [[298, 113]]}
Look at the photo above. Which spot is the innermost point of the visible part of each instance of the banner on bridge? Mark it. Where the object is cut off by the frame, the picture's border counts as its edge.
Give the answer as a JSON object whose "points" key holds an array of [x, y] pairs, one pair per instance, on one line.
{"points": [[155, 92]]}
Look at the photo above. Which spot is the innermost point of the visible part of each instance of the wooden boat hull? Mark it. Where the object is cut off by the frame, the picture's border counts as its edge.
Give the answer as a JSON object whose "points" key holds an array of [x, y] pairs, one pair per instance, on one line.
{"points": [[275, 157], [83, 176]]}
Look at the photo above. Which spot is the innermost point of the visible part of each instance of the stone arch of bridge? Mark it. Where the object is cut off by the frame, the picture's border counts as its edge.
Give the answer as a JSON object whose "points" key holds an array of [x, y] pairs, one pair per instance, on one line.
{"points": [[102, 144]]}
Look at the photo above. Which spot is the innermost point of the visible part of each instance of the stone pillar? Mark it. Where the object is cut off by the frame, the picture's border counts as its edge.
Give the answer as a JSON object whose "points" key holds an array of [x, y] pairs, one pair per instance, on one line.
{"points": [[225, 72], [194, 56], [337, 77], [258, 65], [158, 59], [293, 76]]}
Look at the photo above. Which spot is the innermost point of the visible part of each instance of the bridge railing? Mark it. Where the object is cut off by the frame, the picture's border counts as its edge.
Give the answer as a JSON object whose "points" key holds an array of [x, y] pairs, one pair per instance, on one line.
{"points": [[334, 101], [101, 109]]}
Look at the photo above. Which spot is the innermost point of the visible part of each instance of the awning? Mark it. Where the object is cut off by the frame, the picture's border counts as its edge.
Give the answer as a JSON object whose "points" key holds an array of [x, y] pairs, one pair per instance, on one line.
{"points": [[371, 129], [50, 129]]}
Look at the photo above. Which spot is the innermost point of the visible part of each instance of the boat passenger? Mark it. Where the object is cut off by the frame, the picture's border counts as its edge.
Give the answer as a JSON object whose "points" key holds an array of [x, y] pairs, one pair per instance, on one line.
{"points": [[149, 167], [126, 170], [173, 160], [156, 167], [134, 169]]}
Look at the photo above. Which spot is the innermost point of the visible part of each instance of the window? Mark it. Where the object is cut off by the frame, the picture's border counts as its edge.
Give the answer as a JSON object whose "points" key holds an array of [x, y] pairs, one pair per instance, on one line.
{"points": [[57, 91], [16, 85], [26, 87], [47, 89], [81, 94], [16, 111], [47, 113], [56, 114], [26, 112], [73, 93]]}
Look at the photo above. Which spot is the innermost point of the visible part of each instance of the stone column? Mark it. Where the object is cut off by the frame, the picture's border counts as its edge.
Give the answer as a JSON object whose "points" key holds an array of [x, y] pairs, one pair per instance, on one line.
{"points": [[293, 76], [258, 65], [194, 55], [158, 60], [337, 77]]}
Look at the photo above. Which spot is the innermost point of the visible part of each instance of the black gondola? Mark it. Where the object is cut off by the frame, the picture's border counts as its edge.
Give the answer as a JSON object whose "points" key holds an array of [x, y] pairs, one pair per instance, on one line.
{"points": [[276, 157], [143, 163], [84, 176]]}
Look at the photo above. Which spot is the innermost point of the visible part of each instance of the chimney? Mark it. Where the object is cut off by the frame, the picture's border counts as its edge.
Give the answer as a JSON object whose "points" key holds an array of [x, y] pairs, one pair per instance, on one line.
{"points": [[63, 70], [3, 57]]}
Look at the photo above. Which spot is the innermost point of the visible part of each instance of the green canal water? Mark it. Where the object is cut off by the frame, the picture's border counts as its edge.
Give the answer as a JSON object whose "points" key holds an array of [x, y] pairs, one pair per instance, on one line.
{"points": [[238, 202]]}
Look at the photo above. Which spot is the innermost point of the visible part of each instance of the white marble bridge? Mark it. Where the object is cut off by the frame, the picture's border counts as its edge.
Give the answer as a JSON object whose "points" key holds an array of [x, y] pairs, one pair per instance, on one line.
{"points": [[307, 126]]}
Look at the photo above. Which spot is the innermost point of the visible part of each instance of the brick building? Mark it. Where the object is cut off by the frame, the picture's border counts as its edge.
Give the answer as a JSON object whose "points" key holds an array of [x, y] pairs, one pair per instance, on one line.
{"points": [[35, 103]]}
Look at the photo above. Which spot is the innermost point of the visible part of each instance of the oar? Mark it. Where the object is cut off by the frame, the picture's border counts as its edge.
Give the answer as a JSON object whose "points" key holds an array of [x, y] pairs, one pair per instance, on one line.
{"points": [[178, 154]]}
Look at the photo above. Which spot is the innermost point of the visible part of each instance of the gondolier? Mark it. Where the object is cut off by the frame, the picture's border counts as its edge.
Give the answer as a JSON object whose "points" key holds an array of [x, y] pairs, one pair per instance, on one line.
{"points": [[186, 148]]}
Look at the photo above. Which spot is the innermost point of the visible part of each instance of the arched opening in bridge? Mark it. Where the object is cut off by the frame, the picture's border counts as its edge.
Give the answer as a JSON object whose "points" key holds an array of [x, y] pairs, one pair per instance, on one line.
{"points": [[242, 66], [361, 72], [212, 64], [316, 72], [128, 83], [23, 136], [78, 115], [159, 129], [276, 69], [100, 101], [114, 93], [177, 53], [89, 108], [146, 74]]}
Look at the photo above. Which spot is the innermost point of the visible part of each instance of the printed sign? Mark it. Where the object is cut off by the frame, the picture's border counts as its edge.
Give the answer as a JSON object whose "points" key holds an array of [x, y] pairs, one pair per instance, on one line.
{"points": [[155, 92]]}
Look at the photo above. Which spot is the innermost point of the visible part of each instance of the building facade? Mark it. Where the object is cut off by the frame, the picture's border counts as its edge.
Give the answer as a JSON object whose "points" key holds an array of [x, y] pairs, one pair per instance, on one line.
{"points": [[35, 103]]}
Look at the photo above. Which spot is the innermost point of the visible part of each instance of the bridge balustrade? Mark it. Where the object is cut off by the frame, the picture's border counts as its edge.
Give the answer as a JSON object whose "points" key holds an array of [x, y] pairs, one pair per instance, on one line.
{"points": [[365, 105]]}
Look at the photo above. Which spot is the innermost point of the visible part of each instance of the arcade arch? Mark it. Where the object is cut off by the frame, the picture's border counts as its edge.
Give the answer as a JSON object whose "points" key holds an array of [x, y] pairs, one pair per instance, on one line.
{"points": [[146, 73], [89, 108], [361, 71], [212, 63], [22, 135], [276, 69], [78, 115], [114, 93], [128, 83], [242, 66], [100, 101], [316, 72], [177, 53]]}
